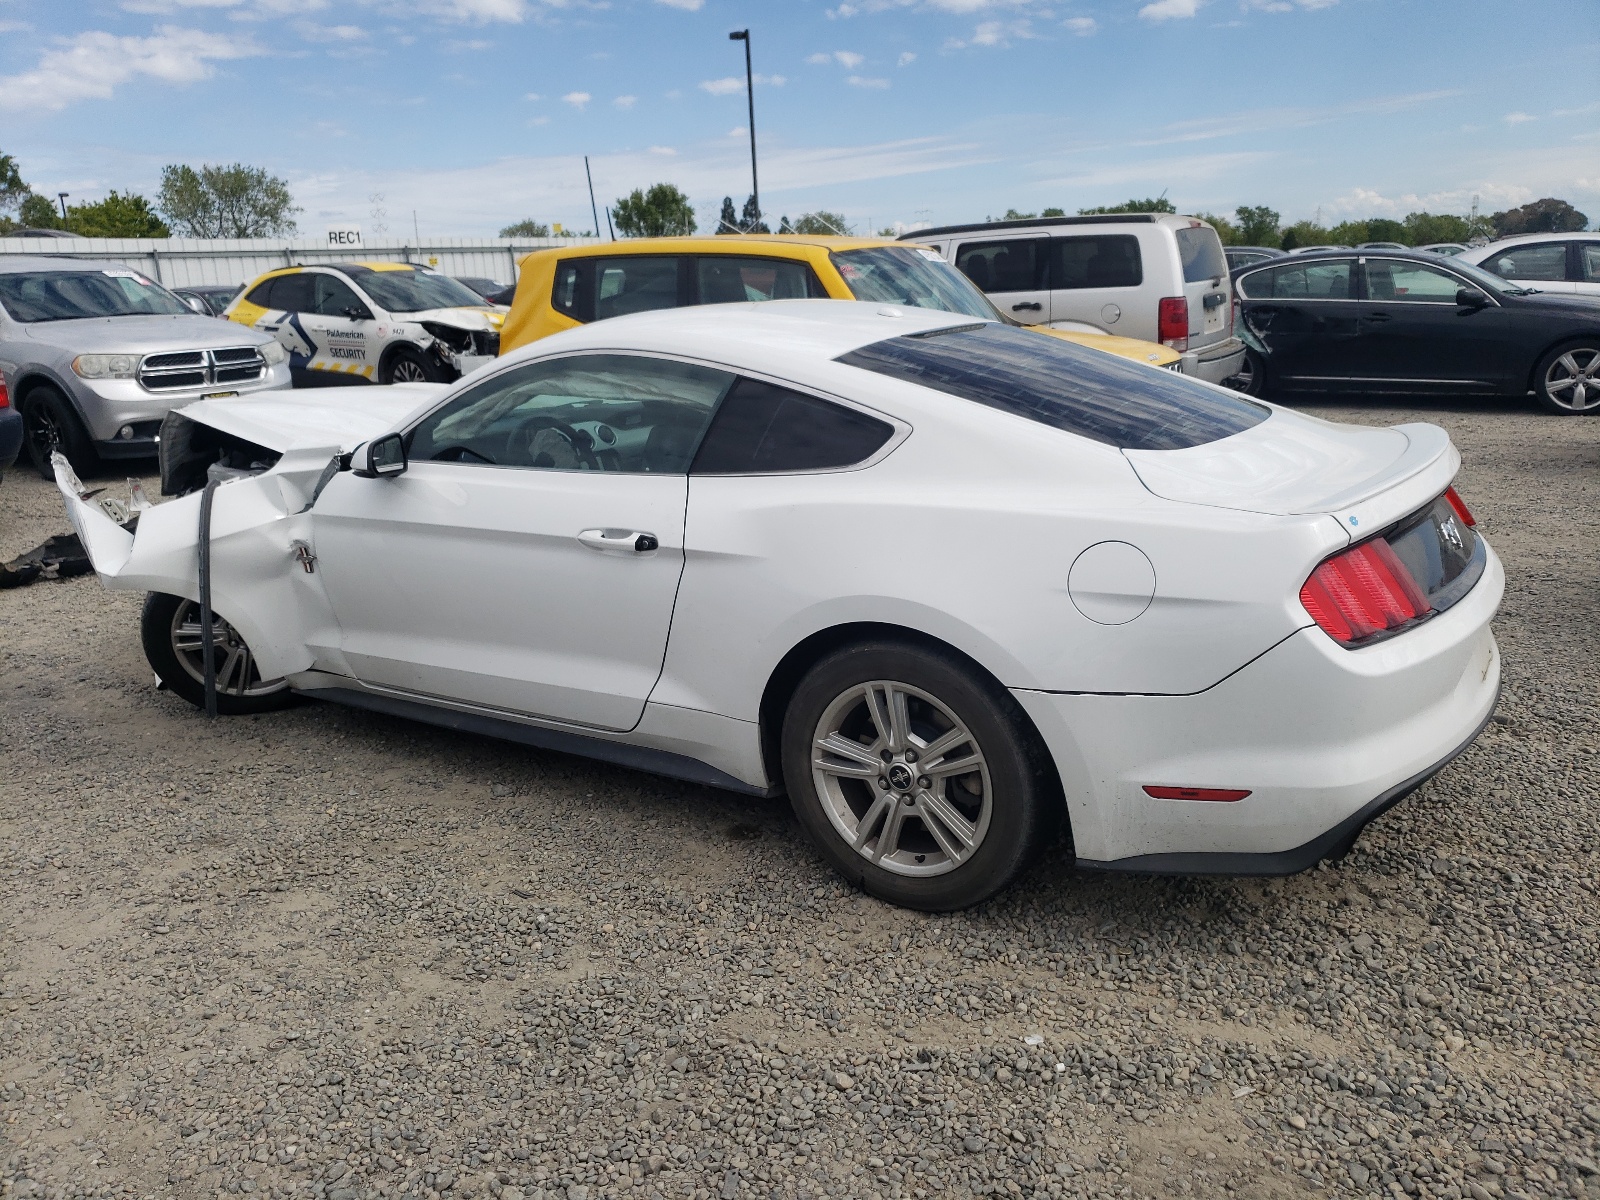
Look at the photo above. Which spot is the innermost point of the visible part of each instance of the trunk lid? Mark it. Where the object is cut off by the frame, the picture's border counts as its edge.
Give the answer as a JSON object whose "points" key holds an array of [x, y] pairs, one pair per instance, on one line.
{"points": [[1291, 464], [1206, 284]]}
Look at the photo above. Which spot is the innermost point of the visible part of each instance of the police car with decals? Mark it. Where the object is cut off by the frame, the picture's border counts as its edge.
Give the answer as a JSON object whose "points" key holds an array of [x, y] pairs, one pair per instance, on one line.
{"points": [[371, 322]]}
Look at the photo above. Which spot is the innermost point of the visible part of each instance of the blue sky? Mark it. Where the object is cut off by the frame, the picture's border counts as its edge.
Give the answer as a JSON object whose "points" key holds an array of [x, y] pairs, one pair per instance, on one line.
{"points": [[474, 113]]}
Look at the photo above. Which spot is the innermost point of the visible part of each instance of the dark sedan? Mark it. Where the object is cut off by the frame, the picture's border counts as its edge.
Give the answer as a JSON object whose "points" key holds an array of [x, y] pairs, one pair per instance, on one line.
{"points": [[213, 297], [1403, 321]]}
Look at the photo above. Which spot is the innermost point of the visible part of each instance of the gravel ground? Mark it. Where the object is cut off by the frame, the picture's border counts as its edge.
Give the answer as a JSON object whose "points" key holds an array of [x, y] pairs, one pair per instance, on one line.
{"points": [[331, 953]]}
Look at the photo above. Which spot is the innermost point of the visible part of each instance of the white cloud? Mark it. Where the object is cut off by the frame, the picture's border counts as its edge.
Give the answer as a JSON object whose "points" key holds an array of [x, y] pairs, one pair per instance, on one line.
{"points": [[1517, 118], [535, 122], [906, 59], [685, 5], [862, 81], [664, 151], [819, 59], [844, 10], [313, 32], [577, 99], [91, 65], [533, 96], [478, 12], [730, 84], [1167, 10], [738, 131], [1082, 26], [1256, 121], [848, 59], [993, 33], [14, 27], [625, 101]]}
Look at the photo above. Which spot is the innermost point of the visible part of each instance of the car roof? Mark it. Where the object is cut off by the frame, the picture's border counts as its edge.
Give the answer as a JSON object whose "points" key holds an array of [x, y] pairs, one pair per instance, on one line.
{"points": [[1420, 256], [798, 245], [1522, 239], [15, 263], [1036, 222]]}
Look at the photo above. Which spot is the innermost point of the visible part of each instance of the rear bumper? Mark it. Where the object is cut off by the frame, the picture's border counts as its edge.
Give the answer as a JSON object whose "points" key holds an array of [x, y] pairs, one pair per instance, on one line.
{"points": [[1324, 738], [1216, 362], [10, 437]]}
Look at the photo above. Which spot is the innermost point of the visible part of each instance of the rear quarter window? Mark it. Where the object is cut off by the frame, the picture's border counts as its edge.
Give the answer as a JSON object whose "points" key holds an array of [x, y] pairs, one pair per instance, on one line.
{"points": [[1073, 388], [761, 427]]}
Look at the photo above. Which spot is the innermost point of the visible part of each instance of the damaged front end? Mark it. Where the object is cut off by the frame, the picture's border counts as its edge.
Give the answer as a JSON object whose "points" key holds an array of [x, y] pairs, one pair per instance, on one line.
{"points": [[464, 339]]}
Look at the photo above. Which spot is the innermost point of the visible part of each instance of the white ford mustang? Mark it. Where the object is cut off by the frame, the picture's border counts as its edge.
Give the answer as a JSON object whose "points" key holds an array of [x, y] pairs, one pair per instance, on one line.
{"points": [[944, 581]]}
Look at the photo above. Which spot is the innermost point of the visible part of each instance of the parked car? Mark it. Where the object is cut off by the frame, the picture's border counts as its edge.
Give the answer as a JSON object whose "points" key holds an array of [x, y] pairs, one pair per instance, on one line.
{"points": [[39, 233], [1249, 256], [486, 288], [1550, 262], [1409, 321], [94, 354], [371, 322], [1150, 276], [944, 581], [504, 296], [1448, 249], [1383, 246], [567, 287], [213, 297], [10, 429], [1314, 249]]}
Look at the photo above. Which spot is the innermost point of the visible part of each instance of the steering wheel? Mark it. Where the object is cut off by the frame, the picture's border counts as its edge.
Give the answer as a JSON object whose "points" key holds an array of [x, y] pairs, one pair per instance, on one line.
{"points": [[519, 442], [459, 454]]}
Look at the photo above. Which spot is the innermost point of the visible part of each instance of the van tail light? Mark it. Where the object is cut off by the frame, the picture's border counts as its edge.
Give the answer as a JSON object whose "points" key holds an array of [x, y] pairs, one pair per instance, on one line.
{"points": [[1363, 591], [5, 396], [1172, 321], [1456, 502]]}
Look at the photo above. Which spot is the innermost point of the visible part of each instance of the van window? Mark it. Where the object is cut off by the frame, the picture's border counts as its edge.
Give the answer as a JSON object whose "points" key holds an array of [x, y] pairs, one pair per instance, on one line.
{"points": [[1096, 262], [1010, 266], [1051, 381], [1201, 252]]}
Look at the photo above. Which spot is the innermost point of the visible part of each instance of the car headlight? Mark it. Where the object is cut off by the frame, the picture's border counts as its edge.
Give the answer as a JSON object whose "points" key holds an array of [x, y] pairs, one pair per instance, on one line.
{"points": [[274, 353], [106, 366]]}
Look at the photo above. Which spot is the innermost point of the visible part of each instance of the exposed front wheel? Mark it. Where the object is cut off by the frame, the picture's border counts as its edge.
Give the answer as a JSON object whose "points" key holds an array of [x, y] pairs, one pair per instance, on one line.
{"points": [[170, 630], [1567, 380], [407, 365], [915, 777], [48, 424]]}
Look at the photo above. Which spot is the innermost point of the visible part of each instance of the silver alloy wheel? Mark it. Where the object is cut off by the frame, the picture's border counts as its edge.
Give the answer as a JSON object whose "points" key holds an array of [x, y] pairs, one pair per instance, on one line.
{"points": [[407, 370], [903, 780], [1573, 380], [237, 673]]}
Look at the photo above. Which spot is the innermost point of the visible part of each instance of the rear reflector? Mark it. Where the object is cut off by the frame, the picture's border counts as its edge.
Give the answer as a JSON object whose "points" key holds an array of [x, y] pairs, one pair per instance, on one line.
{"points": [[1456, 502], [1224, 795], [1364, 591], [1172, 322]]}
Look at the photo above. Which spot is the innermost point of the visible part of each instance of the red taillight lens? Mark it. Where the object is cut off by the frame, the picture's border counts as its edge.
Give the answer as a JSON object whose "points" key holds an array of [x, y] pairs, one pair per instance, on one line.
{"points": [[1365, 590], [5, 396], [1172, 322], [1456, 502], [1215, 795]]}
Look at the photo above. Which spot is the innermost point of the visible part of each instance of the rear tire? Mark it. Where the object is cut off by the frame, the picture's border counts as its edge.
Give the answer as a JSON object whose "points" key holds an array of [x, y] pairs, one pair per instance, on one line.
{"points": [[170, 631], [1567, 379], [406, 364], [50, 423], [1252, 376], [883, 804]]}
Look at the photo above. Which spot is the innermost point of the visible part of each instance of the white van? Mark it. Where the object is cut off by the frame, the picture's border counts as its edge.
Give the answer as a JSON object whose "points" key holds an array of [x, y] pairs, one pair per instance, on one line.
{"points": [[1144, 275]]}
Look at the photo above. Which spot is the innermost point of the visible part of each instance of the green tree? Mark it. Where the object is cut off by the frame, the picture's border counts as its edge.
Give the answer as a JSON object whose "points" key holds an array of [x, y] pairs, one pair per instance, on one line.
{"points": [[13, 191], [1226, 231], [36, 212], [527, 227], [1305, 233], [1352, 233], [822, 223], [1013, 215], [226, 202], [750, 220], [1158, 204], [784, 226], [1424, 229], [1542, 216], [662, 211], [1053, 212], [728, 218], [1258, 226], [118, 215]]}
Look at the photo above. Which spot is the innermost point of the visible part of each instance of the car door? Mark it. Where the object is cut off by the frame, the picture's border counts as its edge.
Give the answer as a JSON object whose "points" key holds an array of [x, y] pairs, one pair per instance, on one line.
{"points": [[528, 558], [1541, 265], [1094, 277], [1013, 272], [1304, 313], [342, 327], [1415, 337]]}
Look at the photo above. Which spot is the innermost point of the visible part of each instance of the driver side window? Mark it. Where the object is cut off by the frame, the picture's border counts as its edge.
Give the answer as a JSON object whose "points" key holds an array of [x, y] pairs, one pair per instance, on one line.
{"points": [[591, 412]]}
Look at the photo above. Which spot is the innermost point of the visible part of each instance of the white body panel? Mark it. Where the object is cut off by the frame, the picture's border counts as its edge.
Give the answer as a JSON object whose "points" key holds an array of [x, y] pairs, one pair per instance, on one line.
{"points": [[1180, 655]]}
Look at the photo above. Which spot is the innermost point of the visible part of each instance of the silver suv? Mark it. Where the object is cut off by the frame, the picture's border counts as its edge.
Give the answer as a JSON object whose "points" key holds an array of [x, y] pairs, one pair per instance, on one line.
{"points": [[1142, 275], [93, 355]]}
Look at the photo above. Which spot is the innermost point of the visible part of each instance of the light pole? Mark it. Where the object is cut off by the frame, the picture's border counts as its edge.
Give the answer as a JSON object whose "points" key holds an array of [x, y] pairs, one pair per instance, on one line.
{"points": [[62, 196], [743, 35]]}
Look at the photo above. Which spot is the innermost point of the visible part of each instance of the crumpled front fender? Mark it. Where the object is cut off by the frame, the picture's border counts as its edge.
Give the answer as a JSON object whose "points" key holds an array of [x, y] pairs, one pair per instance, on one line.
{"points": [[259, 583]]}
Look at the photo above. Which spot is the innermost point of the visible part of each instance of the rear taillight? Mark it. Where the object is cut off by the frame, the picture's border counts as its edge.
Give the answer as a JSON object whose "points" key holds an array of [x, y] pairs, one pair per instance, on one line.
{"points": [[1172, 322], [5, 396], [1456, 502], [1364, 591]]}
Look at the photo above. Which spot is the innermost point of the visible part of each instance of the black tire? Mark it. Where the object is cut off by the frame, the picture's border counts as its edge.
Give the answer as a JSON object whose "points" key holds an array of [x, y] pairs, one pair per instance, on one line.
{"points": [[50, 423], [1011, 815], [406, 364], [1577, 364], [1252, 376], [184, 673]]}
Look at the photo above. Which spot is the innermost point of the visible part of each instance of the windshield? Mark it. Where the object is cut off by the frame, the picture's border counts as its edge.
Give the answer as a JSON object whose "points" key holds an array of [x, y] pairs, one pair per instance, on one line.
{"points": [[914, 277], [416, 291], [73, 295]]}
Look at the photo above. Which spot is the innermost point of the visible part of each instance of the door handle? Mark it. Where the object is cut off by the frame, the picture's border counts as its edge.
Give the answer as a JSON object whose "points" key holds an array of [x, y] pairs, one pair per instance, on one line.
{"points": [[1029, 305], [1379, 316], [630, 540]]}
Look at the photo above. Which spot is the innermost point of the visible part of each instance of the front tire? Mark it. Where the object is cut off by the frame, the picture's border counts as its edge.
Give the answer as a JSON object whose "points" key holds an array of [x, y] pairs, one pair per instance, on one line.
{"points": [[917, 778], [170, 631], [1567, 379], [49, 423], [406, 364]]}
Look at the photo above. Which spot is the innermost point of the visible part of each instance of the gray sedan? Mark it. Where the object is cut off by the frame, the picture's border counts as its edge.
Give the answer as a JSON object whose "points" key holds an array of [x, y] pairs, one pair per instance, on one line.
{"points": [[94, 354]]}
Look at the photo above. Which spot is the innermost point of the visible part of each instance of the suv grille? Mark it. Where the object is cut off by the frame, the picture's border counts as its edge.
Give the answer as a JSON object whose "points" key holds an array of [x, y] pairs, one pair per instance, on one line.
{"points": [[197, 368]]}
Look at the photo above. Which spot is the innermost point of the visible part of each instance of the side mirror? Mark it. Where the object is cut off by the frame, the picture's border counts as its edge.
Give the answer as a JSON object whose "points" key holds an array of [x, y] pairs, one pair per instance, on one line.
{"points": [[197, 305], [358, 312], [1470, 297], [382, 457]]}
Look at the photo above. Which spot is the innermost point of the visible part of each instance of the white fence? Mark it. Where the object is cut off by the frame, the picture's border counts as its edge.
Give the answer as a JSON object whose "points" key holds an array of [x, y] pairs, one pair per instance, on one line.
{"points": [[178, 262]]}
